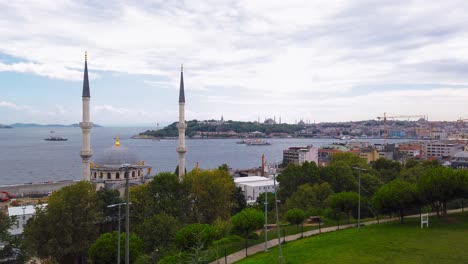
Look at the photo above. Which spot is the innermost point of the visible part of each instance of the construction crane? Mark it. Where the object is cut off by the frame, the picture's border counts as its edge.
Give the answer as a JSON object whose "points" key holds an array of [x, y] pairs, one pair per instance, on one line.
{"points": [[460, 122], [393, 116]]}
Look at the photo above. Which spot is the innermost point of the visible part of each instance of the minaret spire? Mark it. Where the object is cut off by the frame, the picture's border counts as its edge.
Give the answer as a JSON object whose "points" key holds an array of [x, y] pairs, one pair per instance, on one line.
{"points": [[86, 153], [181, 150]]}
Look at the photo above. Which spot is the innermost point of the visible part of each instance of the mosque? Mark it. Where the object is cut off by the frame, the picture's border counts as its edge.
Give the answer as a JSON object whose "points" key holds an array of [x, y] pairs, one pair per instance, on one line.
{"points": [[107, 170]]}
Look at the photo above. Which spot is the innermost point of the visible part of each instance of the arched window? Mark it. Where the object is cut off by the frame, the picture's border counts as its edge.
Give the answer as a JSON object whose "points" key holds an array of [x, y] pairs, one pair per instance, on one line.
{"points": [[95, 175], [133, 174], [108, 175], [139, 173], [100, 175], [117, 175]]}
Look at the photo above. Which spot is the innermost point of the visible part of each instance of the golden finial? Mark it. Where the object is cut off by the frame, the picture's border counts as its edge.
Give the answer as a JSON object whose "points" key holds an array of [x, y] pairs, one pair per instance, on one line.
{"points": [[182, 68], [117, 141], [86, 56]]}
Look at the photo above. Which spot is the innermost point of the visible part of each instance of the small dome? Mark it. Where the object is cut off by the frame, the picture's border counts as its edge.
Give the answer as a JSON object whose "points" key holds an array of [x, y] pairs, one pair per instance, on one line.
{"points": [[116, 156]]}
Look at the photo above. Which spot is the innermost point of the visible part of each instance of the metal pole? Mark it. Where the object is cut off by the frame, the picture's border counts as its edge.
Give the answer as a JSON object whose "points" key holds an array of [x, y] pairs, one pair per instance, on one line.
{"points": [[266, 220], [118, 245], [280, 251], [359, 203], [127, 219]]}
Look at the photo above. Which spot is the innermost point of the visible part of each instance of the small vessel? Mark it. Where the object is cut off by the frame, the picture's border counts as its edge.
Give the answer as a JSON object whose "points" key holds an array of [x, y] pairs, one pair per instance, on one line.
{"points": [[243, 141], [257, 142], [55, 138], [345, 138]]}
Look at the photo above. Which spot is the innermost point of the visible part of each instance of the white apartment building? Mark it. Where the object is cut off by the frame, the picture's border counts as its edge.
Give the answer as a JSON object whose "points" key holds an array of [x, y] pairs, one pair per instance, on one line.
{"points": [[440, 149], [299, 155], [253, 186], [22, 215]]}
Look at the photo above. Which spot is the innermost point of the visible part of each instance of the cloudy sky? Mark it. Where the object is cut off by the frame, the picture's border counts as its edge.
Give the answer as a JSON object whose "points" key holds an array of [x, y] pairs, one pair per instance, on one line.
{"points": [[248, 59]]}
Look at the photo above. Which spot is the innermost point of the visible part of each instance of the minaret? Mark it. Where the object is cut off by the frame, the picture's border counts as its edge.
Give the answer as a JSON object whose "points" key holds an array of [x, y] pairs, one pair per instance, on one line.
{"points": [[86, 126], [181, 148]]}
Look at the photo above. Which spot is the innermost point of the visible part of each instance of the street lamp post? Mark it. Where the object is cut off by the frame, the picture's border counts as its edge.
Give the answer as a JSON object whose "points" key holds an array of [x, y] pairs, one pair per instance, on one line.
{"points": [[280, 250], [266, 219], [127, 167], [118, 238], [359, 193]]}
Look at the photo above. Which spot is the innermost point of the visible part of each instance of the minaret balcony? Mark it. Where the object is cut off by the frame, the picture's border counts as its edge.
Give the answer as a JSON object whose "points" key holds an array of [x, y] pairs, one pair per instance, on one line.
{"points": [[86, 154], [181, 149], [86, 125], [182, 126]]}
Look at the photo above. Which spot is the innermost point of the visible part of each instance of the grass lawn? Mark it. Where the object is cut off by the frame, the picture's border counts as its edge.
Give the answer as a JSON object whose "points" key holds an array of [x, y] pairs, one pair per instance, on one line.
{"points": [[445, 241]]}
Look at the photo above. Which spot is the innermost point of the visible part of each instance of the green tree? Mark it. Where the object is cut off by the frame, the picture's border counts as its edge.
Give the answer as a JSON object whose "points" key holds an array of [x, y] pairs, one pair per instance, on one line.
{"points": [[309, 197], [164, 194], [157, 232], [345, 202], [270, 197], [104, 249], [339, 175], [107, 197], [224, 167], [294, 176], [295, 216], [389, 170], [396, 196], [64, 230], [195, 234], [440, 185], [238, 201], [247, 221], [210, 194]]}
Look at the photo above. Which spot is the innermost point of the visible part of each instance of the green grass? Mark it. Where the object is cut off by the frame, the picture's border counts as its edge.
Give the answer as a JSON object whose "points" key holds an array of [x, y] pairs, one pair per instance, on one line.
{"points": [[446, 241], [235, 243]]}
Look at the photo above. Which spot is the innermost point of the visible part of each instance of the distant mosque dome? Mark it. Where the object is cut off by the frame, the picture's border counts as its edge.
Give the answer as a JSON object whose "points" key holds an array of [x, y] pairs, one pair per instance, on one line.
{"points": [[107, 170]]}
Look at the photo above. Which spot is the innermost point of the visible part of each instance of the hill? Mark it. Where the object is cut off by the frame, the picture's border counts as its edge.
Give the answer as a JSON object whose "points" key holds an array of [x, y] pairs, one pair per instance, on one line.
{"points": [[443, 242], [4, 126], [223, 129]]}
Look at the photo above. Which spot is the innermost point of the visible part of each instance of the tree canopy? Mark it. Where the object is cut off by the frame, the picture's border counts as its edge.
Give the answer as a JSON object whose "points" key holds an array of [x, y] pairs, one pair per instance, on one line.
{"points": [[67, 226], [396, 196]]}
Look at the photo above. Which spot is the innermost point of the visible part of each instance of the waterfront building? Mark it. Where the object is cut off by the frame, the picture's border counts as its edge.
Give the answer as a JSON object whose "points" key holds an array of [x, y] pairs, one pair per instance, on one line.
{"points": [[299, 155], [253, 186], [107, 170], [86, 153], [181, 150], [441, 149]]}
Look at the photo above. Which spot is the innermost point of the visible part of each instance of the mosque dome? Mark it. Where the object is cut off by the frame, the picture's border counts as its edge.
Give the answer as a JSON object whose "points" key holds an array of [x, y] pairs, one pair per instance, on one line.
{"points": [[115, 156]]}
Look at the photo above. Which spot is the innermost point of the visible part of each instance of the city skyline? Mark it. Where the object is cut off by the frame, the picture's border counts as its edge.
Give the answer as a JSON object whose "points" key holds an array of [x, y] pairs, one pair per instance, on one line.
{"points": [[320, 61]]}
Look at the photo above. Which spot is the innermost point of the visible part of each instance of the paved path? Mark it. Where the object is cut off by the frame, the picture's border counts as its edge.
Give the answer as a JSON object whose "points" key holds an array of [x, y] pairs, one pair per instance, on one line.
{"points": [[273, 243]]}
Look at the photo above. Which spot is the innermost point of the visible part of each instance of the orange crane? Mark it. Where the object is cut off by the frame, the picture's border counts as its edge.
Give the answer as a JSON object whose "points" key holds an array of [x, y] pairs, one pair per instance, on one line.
{"points": [[393, 116]]}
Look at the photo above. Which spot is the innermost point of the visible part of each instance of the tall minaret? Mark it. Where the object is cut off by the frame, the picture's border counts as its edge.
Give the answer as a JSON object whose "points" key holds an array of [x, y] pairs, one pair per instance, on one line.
{"points": [[181, 148], [86, 126]]}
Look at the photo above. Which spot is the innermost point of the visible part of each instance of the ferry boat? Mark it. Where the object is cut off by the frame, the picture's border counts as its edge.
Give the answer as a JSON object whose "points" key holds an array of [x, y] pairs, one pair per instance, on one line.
{"points": [[257, 142], [55, 138]]}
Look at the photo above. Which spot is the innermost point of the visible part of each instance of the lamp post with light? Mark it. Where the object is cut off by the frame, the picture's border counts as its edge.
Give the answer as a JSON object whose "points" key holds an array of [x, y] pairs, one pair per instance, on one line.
{"points": [[359, 193]]}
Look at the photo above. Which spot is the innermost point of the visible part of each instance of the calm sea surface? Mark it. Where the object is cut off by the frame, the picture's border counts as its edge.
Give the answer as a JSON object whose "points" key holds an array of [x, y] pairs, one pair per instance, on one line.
{"points": [[26, 157]]}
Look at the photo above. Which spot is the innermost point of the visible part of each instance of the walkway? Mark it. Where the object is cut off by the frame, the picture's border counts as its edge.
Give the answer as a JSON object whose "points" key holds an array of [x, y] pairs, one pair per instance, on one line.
{"points": [[273, 243]]}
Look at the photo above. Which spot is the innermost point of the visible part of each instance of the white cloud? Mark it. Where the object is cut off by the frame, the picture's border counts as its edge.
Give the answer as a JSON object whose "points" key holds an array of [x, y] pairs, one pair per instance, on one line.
{"points": [[299, 50]]}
